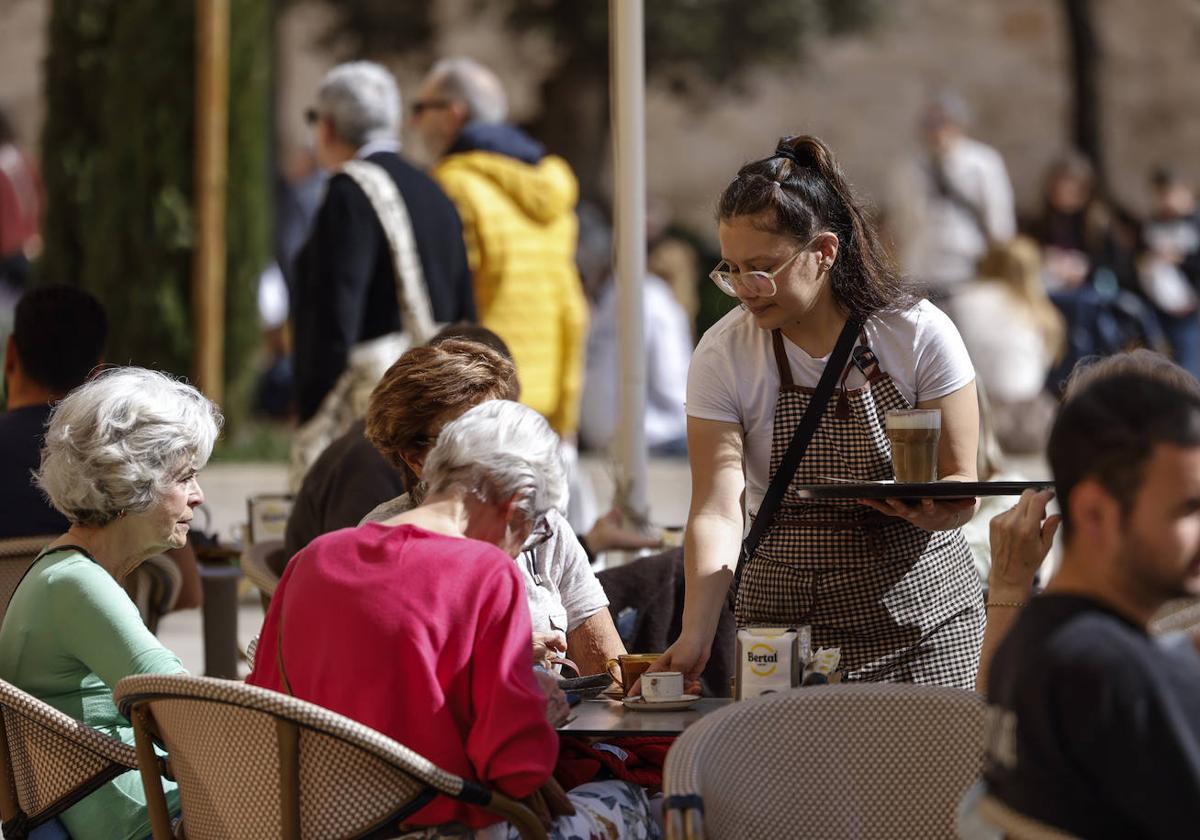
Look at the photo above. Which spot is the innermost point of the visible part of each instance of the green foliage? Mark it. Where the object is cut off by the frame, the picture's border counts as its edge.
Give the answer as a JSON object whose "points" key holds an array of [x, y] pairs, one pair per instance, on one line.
{"points": [[118, 152]]}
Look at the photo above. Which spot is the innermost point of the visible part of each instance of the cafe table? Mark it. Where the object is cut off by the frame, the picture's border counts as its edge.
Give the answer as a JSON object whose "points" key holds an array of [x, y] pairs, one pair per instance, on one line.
{"points": [[603, 716]]}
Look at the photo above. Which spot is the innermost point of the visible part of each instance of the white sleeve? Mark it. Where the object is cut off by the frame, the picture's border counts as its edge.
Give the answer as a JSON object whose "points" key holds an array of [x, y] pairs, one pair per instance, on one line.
{"points": [[668, 352], [711, 385], [578, 587], [943, 365], [998, 210]]}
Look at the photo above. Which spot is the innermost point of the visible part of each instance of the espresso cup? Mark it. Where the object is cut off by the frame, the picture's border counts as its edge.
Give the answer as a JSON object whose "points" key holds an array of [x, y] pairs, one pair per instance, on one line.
{"points": [[632, 666], [662, 686], [914, 437]]}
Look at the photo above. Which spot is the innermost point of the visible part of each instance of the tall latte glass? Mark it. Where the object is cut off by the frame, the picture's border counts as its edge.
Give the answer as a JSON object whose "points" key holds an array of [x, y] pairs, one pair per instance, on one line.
{"points": [[914, 437]]}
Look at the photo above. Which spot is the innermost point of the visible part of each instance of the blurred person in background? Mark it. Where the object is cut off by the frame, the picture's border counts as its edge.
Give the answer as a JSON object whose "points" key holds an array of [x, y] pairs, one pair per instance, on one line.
{"points": [[1170, 264], [345, 289], [950, 203], [666, 337], [21, 200], [1080, 235], [58, 339], [518, 208], [1014, 335], [1089, 267]]}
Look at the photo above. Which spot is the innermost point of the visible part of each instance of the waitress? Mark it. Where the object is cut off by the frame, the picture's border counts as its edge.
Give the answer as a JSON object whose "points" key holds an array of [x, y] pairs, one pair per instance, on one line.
{"points": [[891, 584]]}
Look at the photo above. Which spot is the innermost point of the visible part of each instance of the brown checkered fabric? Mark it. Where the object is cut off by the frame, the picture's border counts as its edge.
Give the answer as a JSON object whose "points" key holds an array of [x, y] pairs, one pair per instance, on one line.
{"points": [[55, 759], [903, 604], [223, 744], [16, 556], [863, 761]]}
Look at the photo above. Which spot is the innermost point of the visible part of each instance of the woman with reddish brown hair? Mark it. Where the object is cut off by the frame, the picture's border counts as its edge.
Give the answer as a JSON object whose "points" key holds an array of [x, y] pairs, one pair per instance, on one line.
{"points": [[892, 585], [422, 392]]}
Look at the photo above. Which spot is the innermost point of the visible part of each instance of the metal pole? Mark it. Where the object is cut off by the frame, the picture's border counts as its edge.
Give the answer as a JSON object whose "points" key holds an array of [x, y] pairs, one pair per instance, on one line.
{"points": [[212, 141], [628, 84]]}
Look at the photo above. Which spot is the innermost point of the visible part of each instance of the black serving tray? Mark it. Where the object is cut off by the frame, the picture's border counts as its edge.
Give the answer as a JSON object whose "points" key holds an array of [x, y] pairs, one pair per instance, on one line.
{"points": [[927, 490]]}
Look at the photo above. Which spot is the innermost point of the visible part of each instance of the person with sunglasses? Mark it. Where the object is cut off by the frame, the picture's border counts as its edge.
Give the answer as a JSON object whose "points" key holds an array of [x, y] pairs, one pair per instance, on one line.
{"points": [[892, 585]]}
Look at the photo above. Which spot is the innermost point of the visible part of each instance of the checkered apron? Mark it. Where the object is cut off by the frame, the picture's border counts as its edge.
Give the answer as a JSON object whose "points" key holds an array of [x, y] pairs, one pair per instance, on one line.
{"points": [[903, 604]]}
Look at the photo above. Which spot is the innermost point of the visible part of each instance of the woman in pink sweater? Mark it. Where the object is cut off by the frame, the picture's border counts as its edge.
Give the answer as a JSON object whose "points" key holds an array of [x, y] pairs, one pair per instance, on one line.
{"points": [[418, 627]]}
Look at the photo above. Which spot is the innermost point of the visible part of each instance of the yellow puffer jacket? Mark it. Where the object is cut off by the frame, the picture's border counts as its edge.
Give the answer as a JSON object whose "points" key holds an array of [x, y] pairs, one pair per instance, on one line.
{"points": [[520, 229]]}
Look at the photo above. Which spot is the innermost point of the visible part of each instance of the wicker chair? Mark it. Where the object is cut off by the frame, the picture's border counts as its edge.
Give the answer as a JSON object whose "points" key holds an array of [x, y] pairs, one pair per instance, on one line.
{"points": [[253, 763], [858, 760], [49, 761], [16, 556]]}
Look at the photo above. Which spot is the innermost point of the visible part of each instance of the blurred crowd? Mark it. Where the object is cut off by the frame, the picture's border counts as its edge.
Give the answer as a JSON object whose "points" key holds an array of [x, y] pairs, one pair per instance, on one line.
{"points": [[496, 235]]}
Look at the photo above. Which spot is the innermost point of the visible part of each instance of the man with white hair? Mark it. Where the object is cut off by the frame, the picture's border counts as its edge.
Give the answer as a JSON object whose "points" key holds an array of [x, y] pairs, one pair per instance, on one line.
{"points": [[518, 209], [345, 291], [950, 202]]}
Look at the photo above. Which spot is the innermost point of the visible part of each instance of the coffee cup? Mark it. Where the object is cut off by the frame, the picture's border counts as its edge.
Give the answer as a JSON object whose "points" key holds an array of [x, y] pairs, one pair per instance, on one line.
{"points": [[662, 686], [632, 666], [914, 436]]}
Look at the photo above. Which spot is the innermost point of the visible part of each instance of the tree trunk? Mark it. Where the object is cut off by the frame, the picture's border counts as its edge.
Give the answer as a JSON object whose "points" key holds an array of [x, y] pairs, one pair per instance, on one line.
{"points": [[1087, 127]]}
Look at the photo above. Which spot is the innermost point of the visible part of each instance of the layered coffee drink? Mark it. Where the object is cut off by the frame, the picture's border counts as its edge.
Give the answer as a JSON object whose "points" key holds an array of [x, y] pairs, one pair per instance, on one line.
{"points": [[914, 437]]}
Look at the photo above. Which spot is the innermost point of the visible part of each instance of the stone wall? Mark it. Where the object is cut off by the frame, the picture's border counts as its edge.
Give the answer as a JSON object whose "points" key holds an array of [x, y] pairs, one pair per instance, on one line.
{"points": [[861, 94]]}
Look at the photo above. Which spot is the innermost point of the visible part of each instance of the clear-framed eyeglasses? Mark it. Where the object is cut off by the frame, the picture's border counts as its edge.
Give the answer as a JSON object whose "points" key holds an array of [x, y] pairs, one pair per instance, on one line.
{"points": [[752, 283]]}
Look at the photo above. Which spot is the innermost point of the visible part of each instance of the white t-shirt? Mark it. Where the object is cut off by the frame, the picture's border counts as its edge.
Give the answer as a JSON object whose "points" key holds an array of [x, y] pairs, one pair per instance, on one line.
{"points": [[734, 378]]}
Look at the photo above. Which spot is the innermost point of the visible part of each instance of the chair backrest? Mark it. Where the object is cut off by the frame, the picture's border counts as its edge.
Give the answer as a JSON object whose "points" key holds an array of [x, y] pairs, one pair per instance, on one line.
{"points": [[254, 763], [257, 568], [49, 760], [858, 760], [16, 556]]}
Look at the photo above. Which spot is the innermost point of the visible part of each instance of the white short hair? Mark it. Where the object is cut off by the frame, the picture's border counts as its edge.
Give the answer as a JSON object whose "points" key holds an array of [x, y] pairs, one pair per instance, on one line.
{"points": [[501, 450], [361, 101], [476, 86], [116, 442]]}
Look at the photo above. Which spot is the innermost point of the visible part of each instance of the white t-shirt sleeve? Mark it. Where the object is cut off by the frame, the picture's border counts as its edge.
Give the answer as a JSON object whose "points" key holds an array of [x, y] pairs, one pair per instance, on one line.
{"points": [[712, 384], [943, 365]]}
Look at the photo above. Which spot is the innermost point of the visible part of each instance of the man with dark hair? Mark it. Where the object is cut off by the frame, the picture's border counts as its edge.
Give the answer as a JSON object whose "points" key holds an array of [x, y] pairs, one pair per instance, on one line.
{"points": [[58, 336], [1094, 727]]}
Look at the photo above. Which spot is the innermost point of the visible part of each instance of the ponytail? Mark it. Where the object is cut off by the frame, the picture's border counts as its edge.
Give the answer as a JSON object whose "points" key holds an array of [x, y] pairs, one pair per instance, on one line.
{"points": [[802, 191]]}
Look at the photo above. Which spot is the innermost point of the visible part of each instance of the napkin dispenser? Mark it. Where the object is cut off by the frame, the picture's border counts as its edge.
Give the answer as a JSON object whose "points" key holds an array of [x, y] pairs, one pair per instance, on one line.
{"points": [[770, 659]]}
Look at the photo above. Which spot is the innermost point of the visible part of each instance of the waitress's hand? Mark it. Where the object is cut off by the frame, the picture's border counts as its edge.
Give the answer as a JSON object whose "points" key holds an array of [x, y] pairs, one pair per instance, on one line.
{"points": [[688, 656], [927, 514]]}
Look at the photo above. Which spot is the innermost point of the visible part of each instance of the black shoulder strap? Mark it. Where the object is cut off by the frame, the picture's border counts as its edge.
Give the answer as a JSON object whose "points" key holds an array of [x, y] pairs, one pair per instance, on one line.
{"points": [[799, 443]]}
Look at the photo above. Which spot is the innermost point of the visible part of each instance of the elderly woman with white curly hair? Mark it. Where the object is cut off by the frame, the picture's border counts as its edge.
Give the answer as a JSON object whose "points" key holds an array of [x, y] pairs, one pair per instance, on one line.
{"points": [[418, 627], [120, 462]]}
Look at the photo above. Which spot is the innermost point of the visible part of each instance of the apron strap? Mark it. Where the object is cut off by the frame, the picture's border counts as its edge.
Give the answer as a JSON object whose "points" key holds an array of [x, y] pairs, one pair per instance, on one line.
{"points": [[781, 360], [800, 439]]}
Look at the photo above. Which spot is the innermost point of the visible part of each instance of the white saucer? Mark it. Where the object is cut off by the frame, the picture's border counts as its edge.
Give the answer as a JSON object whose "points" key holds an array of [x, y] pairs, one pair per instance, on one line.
{"points": [[638, 704]]}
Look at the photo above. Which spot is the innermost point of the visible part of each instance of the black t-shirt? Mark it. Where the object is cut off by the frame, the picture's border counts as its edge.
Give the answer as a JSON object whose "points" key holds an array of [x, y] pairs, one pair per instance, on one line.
{"points": [[1094, 727], [24, 511], [347, 481]]}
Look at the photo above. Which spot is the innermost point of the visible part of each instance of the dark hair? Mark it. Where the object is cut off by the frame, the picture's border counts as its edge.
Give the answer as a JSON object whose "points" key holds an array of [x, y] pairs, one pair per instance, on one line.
{"points": [[60, 333], [1108, 429], [800, 191]]}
